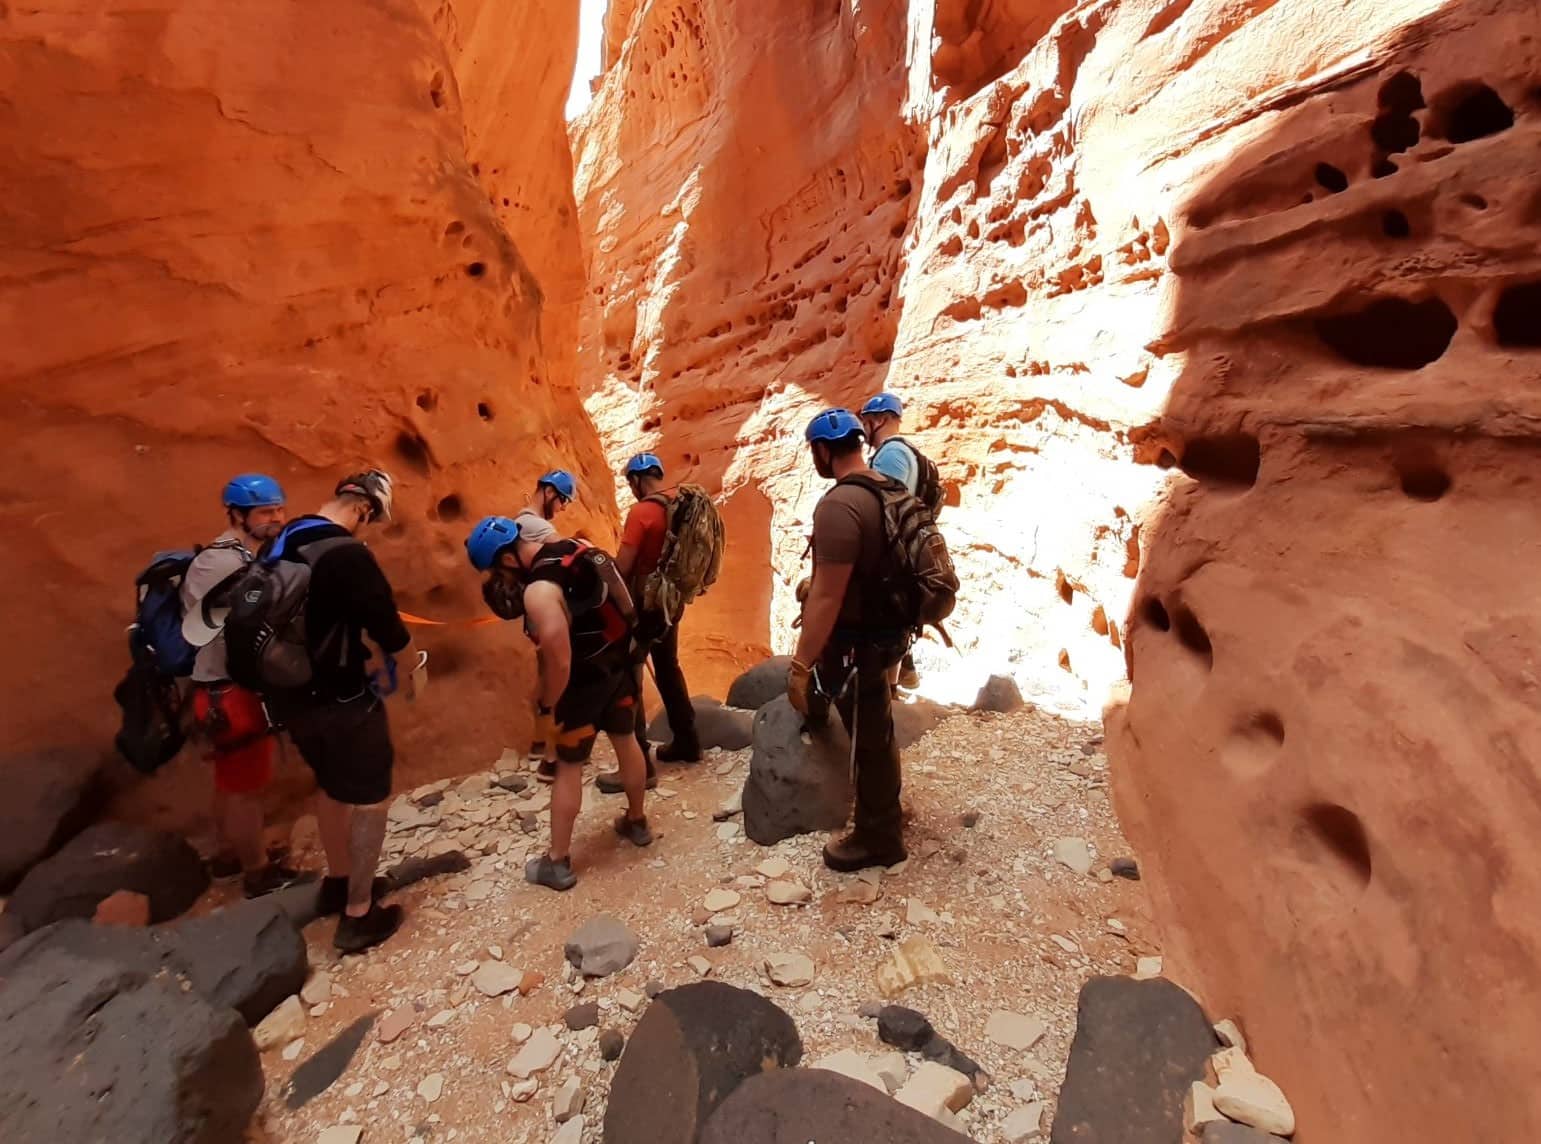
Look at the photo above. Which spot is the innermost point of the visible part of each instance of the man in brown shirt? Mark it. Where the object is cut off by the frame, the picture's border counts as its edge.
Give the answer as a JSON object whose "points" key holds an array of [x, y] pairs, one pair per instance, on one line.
{"points": [[848, 647]]}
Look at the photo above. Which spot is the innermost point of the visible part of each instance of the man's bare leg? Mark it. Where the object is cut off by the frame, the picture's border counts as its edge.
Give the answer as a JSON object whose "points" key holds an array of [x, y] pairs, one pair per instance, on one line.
{"points": [[366, 837], [633, 767], [566, 802], [334, 819]]}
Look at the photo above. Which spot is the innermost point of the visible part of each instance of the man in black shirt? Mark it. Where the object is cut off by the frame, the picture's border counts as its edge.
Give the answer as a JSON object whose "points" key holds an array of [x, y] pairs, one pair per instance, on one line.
{"points": [[338, 721]]}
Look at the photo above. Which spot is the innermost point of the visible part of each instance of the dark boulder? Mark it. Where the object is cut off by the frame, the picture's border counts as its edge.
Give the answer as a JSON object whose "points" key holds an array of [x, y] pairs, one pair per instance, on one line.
{"points": [[1000, 693], [102, 860], [795, 786], [1139, 1046], [760, 684], [716, 726], [796, 1106], [692, 1048], [49, 796], [249, 956]]}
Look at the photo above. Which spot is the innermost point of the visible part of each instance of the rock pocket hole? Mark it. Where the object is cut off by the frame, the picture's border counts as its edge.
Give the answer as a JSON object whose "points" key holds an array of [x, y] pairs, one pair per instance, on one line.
{"points": [[1191, 634], [1253, 747], [1423, 478], [1231, 460], [1154, 613], [413, 449], [450, 508], [484, 411], [1475, 202], [1394, 128], [1335, 833], [476, 269], [1390, 333], [1517, 316], [1394, 224], [1469, 111], [1331, 177], [1380, 167]]}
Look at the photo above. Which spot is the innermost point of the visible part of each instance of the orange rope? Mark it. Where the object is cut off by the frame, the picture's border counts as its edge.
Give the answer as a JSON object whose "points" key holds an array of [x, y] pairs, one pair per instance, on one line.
{"points": [[408, 617]]}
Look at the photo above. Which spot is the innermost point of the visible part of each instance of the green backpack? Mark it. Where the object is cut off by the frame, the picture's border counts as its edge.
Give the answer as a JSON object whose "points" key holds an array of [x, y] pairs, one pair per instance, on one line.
{"points": [[691, 557]]}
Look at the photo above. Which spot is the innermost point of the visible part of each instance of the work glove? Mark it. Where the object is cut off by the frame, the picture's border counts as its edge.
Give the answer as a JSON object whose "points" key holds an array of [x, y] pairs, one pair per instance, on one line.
{"points": [[800, 687], [543, 737]]}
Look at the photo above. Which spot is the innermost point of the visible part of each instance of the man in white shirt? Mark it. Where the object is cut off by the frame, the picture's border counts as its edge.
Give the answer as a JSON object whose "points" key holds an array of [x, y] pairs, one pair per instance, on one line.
{"points": [[553, 492]]}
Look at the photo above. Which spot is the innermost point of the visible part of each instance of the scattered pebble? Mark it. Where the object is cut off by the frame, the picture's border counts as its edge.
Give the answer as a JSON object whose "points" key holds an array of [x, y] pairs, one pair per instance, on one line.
{"points": [[431, 1087], [1074, 854], [789, 969]]}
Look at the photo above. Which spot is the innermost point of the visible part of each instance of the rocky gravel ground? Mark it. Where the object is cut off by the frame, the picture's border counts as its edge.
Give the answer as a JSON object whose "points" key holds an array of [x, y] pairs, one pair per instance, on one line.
{"points": [[1011, 835]]}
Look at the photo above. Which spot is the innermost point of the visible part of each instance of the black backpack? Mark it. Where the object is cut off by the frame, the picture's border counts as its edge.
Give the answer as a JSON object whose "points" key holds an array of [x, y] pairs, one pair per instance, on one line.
{"points": [[918, 587], [928, 481], [604, 616], [266, 648]]}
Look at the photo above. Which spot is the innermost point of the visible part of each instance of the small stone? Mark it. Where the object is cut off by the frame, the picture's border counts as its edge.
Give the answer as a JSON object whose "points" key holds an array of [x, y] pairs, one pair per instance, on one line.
{"points": [[892, 1071], [789, 969], [584, 1016], [904, 1029], [916, 912], [858, 894], [441, 1018], [700, 916], [1146, 968], [719, 899], [1118, 927], [1024, 1124], [538, 1054], [511, 781], [529, 823], [699, 964], [567, 1102], [1064, 943], [728, 831], [281, 1026], [293, 1050], [654, 988], [934, 1089], [380, 1089], [611, 1044], [870, 1009], [1125, 868], [914, 962], [733, 807], [1230, 1035], [123, 908], [340, 1134], [431, 1087], [788, 893], [1026, 1090], [1013, 1030], [520, 1033], [1104, 876], [495, 978], [850, 1063], [530, 981], [809, 1004], [1074, 853], [718, 936], [466, 968], [1199, 1107], [601, 946], [495, 951], [969, 819], [1251, 1098], [631, 1002], [570, 1133], [774, 867], [521, 1091]]}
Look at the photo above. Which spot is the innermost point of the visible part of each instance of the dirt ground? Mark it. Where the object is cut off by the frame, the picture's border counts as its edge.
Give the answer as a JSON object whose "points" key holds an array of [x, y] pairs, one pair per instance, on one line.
{"points": [[1016, 930]]}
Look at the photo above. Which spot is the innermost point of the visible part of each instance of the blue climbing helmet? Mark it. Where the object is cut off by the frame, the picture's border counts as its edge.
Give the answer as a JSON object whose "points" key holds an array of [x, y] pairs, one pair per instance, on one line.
{"points": [[642, 463], [559, 481], [491, 535], [252, 490], [883, 403], [833, 425]]}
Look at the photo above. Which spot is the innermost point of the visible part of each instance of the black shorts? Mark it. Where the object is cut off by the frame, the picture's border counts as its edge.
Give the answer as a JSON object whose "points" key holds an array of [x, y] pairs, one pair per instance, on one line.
{"points": [[348, 745], [598, 698]]}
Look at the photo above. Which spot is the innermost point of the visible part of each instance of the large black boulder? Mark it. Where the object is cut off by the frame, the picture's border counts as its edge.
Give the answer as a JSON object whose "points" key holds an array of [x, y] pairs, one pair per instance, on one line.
{"points": [[49, 796], [100, 861], [692, 1048], [716, 725], [96, 1043], [1138, 1048], [795, 1106], [760, 684], [799, 780]]}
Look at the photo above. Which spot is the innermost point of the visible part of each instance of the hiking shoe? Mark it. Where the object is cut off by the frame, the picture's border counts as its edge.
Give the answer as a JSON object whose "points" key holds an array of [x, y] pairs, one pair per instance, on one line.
{"points": [[332, 897], [909, 678], [547, 871], [634, 830], [355, 935], [546, 772], [849, 854], [678, 752], [223, 867], [609, 782], [273, 876]]}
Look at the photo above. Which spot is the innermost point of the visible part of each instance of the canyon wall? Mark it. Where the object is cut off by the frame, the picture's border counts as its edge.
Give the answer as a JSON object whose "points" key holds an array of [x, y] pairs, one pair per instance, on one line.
{"points": [[1219, 319], [294, 237]]}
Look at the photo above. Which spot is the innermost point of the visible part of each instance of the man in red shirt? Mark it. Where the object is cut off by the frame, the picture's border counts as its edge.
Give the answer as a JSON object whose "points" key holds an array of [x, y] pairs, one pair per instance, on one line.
{"points": [[642, 541]]}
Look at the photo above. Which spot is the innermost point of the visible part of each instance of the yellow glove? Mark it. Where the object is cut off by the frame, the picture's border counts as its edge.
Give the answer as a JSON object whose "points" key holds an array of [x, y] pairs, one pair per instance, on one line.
{"points": [[799, 684], [543, 736]]}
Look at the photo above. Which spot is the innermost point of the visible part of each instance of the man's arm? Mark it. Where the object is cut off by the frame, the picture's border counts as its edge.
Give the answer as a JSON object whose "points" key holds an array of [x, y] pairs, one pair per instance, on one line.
{"points": [[375, 606], [626, 560], [821, 610], [546, 616]]}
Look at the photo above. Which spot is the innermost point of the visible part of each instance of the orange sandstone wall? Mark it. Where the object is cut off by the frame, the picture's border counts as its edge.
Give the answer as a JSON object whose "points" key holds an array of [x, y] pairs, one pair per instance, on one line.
{"points": [[295, 237], [1220, 320]]}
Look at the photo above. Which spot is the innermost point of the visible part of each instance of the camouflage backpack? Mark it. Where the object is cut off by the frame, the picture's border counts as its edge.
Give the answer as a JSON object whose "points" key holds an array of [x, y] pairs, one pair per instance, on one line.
{"points": [[691, 555]]}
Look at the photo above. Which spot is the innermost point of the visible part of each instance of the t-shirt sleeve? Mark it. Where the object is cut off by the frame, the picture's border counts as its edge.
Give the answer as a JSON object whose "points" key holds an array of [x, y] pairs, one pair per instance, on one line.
{"points": [[371, 602], [836, 531], [645, 519], [896, 460]]}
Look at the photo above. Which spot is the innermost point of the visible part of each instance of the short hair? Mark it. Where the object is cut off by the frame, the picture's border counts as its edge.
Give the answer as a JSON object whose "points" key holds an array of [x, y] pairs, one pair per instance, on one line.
{"points": [[845, 446]]}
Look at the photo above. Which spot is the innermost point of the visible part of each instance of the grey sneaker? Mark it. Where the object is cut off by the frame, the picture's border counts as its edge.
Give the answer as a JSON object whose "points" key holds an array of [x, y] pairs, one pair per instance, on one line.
{"points": [[545, 871]]}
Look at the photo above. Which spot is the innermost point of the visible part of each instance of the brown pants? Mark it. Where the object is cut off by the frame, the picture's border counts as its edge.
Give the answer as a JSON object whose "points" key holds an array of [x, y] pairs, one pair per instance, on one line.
{"points": [[866, 708]]}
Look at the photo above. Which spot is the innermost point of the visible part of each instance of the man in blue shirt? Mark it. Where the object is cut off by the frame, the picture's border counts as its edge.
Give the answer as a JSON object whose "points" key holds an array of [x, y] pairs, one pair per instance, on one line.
{"points": [[893, 457]]}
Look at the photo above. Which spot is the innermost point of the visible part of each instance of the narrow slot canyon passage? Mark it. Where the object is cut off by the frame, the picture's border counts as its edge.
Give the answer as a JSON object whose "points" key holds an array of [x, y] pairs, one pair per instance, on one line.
{"points": [[1220, 324]]}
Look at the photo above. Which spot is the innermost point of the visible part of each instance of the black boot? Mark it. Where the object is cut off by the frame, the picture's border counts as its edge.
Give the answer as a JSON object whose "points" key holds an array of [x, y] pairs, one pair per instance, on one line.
{"points": [[681, 750], [609, 782]]}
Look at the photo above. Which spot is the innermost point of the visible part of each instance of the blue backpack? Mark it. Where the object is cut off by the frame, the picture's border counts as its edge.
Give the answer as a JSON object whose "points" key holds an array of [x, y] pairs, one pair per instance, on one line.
{"points": [[156, 634]]}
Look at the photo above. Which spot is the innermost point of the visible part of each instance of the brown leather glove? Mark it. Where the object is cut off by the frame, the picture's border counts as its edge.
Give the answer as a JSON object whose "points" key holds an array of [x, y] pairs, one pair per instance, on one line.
{"points": [[543, 735], [799, 687]]}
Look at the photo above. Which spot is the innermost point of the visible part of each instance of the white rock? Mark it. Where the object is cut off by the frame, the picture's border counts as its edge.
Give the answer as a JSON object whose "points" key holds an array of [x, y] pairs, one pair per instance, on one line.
{"points": [[893, 1071], [699, 964], [520, 1033], [720, 899], [1146, 968], [340, 1134], [1251, 1098], [495, 978], [858, 894], [441, 1018], [1064, 943], [281, 1026], [774, 867], [431, 1087], [788, 893], [380, 1089], [631, 1002], [568, 1100], [850, 1063], [1199, 1107], [466, 968], [522, 1090], [935, 1089], [293, 1050], [538, 1054], [318, 989], [495, 951], [916, 912], [727, 831], [1074, 853], [1024, 1124], [570, 1133], [1230, 1035], [789, 969], [1013, 1030]]}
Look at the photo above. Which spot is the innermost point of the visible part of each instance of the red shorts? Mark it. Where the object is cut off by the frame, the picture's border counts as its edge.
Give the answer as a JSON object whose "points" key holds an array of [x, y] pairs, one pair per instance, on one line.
{"points": [[236, 726]]}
